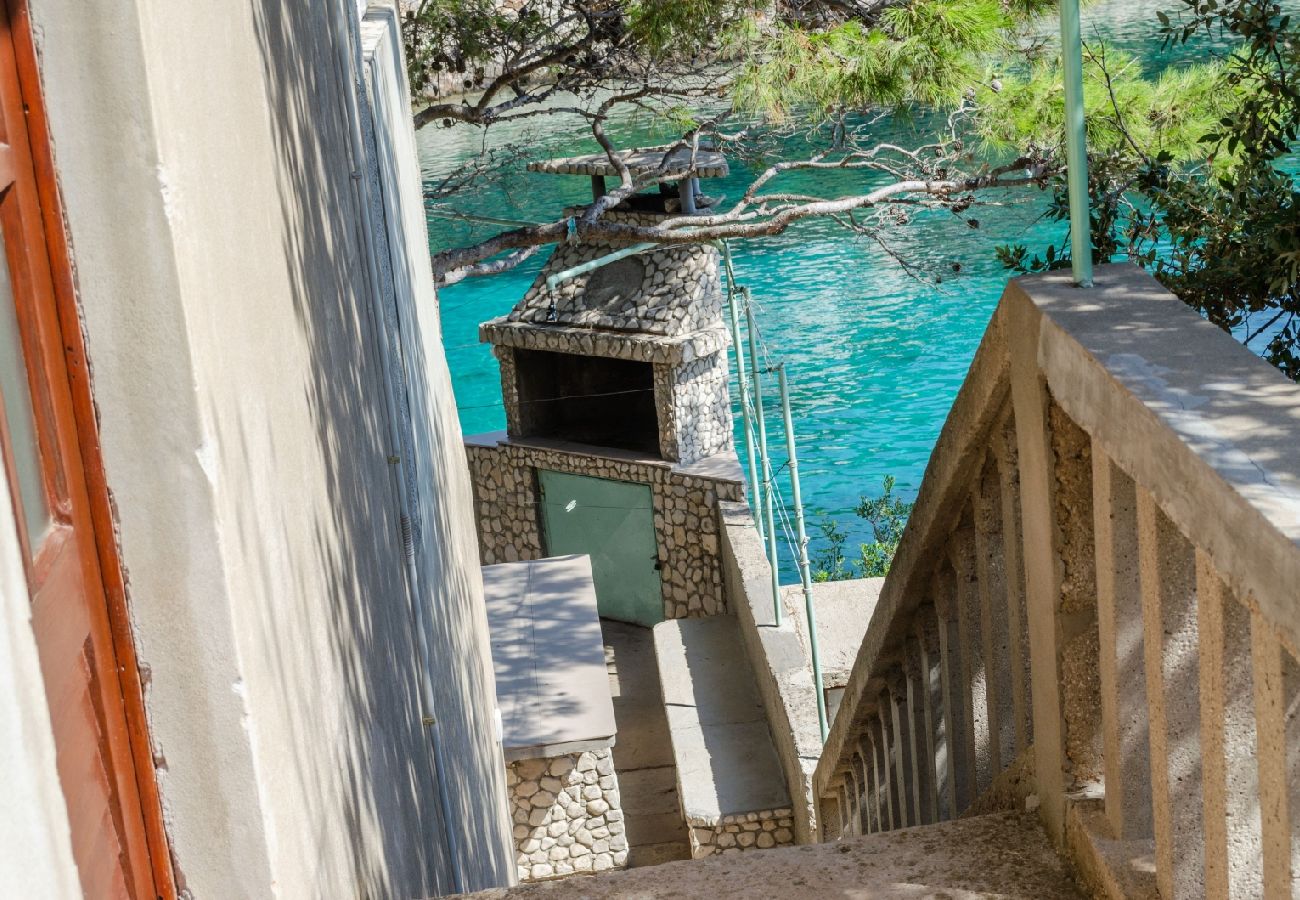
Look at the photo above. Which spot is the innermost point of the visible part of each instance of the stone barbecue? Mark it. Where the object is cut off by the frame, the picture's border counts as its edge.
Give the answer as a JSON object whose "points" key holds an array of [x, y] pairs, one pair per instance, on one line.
{"points": [[621, 351], [614, 366]]}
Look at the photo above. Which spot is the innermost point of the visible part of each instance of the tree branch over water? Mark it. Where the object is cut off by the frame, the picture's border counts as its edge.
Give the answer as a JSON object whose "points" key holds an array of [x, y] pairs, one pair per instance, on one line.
{"points": [[755, 215], [1188, 171]]}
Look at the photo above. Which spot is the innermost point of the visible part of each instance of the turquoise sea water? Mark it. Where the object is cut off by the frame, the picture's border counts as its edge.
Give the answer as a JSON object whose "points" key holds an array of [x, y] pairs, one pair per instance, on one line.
{"points": [[875, 356]]}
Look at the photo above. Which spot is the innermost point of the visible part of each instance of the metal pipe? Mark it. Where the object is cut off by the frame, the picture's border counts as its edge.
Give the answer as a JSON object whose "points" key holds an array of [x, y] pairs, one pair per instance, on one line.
{"points": [[596, 263], [424, 656], [805, 572], [1076, 143], [755, 372], [743, 385]]}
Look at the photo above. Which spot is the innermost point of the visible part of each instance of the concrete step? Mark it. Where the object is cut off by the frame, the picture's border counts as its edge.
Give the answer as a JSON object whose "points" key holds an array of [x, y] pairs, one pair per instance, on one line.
{"points": [[652, 812], [649, 791], [657, 854], [638, 702], [643, 756], [1004, 855]]}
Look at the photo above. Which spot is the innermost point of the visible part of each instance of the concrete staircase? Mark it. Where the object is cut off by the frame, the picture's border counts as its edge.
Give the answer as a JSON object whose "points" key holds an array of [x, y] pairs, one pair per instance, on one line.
{"points": [[1003, 855], [643, 756]]}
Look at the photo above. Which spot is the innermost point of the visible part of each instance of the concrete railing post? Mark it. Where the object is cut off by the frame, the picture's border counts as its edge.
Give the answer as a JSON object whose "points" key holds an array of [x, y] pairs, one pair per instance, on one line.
{"points": [[863, 791], [1276, 678], [1021, 323], [991, 576], [880, 776], [974, 672], [855, 798], [935, 750], [1121, 670], [1230, 776], [1167, 567], [843, 796], [904, 777], [893, 796], [956, 726], [922, 742], [868, 812], [1004, 450]]}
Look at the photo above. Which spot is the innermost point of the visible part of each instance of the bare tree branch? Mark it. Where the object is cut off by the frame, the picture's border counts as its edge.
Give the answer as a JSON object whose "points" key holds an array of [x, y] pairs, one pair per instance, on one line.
{"points": [[752, 217]]}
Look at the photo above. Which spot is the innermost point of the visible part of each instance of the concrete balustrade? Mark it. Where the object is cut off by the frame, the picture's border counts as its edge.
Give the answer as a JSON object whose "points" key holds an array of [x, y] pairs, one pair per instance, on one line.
{"points": [[1120, 664], [1095, 609]]}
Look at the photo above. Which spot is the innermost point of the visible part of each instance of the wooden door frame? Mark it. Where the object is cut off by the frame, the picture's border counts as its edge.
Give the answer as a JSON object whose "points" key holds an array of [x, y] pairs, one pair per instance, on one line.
{"points": [[151, 832]]}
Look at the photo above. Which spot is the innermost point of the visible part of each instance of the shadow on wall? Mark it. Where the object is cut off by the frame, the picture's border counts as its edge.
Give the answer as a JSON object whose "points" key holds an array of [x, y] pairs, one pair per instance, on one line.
{"points": [[366, 783]]}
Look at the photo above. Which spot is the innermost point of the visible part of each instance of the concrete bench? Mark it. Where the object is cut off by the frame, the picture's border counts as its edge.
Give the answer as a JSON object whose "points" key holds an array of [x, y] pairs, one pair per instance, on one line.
{"points": [[732, 788], [558, 726]]}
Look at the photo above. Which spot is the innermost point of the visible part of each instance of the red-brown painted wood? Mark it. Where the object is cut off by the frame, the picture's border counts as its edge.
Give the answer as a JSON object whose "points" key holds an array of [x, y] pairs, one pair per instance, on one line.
{"points": [[74, 576]]}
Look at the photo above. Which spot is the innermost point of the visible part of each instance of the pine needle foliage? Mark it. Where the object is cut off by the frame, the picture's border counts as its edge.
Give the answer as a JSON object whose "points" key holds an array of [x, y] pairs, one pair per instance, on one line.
{"points": [[927, 52]]}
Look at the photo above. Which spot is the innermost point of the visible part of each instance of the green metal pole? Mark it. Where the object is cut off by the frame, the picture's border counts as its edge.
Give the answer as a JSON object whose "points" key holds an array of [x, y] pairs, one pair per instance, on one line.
{"points": [[742, 383], [805, 573], [1076, 143], [770, 525]]}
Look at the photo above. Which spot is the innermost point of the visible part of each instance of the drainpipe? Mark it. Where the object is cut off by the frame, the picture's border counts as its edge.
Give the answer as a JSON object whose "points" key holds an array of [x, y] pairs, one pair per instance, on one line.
{"points": [[1076, 143], [743, 385], [805, 574], [768, 486], [424, 662]]}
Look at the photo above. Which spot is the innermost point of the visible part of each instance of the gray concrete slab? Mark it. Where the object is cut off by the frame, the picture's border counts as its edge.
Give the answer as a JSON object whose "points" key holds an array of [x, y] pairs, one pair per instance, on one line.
{"points": [[843, 610], [720, 467], [547, 651], [726, 761], [702, 666]]}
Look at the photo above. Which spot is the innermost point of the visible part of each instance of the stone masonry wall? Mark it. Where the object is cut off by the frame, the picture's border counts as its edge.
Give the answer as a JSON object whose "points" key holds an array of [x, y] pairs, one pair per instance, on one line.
{"points": [[744, 831], [685, 516], [693, 405], [568, 816]]}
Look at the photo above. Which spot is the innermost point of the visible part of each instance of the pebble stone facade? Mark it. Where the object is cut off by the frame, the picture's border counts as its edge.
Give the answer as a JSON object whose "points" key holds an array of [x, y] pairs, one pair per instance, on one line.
{"points": [[568, 816], [694, 410], [664, 307], [746, 831], [672, 291], [685, 513]]}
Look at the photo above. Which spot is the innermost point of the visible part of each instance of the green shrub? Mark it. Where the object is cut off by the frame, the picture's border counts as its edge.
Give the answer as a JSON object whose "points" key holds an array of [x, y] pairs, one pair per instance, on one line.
{"points": [[887, 515]]}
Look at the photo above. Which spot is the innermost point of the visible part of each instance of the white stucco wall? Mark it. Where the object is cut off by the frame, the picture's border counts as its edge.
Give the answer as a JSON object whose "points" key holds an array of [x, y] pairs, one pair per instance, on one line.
{"points": [[35, 842], [213, 179]]}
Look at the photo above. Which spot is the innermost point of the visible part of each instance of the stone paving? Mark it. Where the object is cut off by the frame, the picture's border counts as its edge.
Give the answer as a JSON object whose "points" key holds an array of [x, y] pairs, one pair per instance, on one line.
{"points": [[1006, 855]]}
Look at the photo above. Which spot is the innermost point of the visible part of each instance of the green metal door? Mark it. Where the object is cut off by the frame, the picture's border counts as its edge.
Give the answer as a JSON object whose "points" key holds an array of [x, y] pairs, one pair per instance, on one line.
{"points": [[612, 522]]}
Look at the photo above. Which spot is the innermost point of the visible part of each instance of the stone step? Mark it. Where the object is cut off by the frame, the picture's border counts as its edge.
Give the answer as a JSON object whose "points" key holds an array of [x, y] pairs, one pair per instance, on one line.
{"points": [[649, 791], [1004, 855], [657, 854], [653, 814]]}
